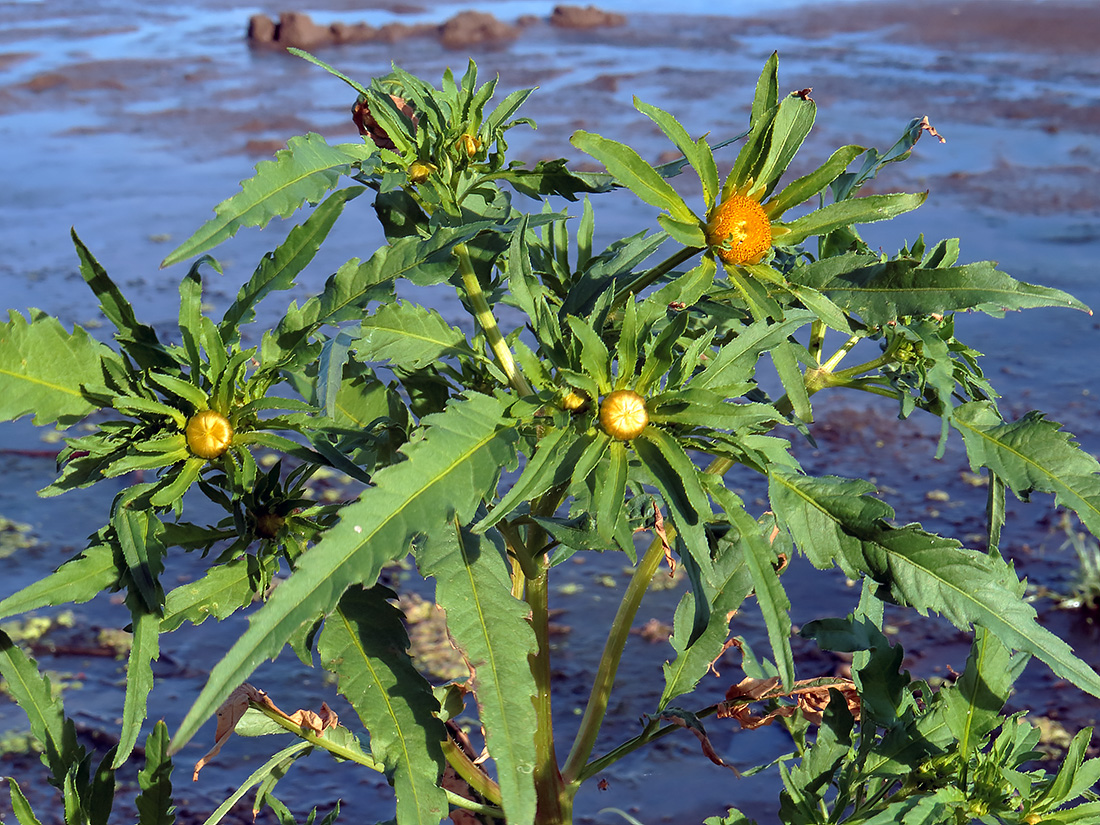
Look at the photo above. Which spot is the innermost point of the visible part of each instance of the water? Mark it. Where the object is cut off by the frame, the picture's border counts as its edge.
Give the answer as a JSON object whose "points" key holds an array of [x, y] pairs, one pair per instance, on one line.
{"points": [[129, 121]]}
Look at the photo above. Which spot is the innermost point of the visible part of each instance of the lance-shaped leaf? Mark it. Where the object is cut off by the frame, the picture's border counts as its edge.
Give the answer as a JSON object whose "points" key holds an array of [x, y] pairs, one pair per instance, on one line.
{"points": [[1032, 454], [137, 339], [445, 475], [43, 367], [972, 706], [365, 644], [836, 519], [304, 171], [735, 362], [880, 292], [760, 559], [733, 584], [805, 187], [491, 629], [154, 803], [78, 580], [696, 152], [792, 122], [24, 814], [410, 336], [845, 213], [31, 691], [635, 174], [279, 268]]}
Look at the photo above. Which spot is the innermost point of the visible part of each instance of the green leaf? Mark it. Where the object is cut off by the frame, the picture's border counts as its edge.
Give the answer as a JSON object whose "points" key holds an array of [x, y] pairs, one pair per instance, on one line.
{"points": [[410, 336], [835, 519], [881, 292], [1075, 775], [766, 96], [735, 363], [733, 584], [1032, 454], [31, 691], [792, 122], [20, 806], [144, 649], [972, 706], [139, 340], [491, 629], [275, 763], [805, 187], [138, 532], [78, 580], [761, 561], [154, 803], [224, 589], [608, 498], [278, 269], [845, 213], [635, 174], [43, 368], [446, 473], [365, 644], [697, 152], [304, 171]]}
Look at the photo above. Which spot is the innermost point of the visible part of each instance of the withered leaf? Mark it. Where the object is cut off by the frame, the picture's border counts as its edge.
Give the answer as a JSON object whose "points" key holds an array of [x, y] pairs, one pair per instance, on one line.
{"points": [[811, 698]]}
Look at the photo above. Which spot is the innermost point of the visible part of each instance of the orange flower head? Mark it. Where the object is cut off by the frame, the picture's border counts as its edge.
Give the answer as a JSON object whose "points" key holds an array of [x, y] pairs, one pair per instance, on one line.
{"points": [[623, 414], [739, 230], [208, 434]]}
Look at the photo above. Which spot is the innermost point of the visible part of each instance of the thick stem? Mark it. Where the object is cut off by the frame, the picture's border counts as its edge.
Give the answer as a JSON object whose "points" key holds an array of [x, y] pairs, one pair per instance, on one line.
{"points": [[609, 662], [488, 322], [553, 803]]}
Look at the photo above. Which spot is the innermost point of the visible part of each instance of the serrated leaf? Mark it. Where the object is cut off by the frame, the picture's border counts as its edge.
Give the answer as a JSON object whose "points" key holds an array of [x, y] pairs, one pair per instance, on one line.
{"points": [[304, 171], [278, 269], [733, 583], [735, 363], [224, 589], [409, 336], [78, 580], [144, 649], [972, 706], [792, 122], [805, 187], [1032, 454], [491, 629], [31, 691], [867, 209], [138, 339], [365, 644], [154, 803], [43, 367], [697, 152], [880, 292], [276, 762], [635, 174], [445, 474], [775, 606], [835, 519], [24, 814]]}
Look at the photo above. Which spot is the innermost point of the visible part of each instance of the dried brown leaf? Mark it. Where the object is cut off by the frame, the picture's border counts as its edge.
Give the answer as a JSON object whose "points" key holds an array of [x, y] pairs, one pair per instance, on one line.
{"points": [[811, 698]]}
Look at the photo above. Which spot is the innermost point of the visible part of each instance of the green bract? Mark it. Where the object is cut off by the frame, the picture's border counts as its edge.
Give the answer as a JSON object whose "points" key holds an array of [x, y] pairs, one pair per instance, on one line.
{"points": [[622, 397]]}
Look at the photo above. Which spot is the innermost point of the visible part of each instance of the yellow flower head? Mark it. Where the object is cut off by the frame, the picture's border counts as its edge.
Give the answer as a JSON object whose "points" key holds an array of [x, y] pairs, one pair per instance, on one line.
{"points": [[208, 434], [739, 230], [623, 415]]}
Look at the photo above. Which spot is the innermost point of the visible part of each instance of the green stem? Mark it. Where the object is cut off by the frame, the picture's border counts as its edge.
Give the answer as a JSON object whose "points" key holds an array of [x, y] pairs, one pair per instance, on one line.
{"points": [[553, 802], [474, 776], [651, 275], [609, 662], [817, 339], [360, 758], [650, 734], [838, 356], [488, 322]]}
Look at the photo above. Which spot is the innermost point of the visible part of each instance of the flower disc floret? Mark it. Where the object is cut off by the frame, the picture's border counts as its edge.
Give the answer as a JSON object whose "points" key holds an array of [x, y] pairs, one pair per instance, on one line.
{"points": [[208, 434], [739, 230], [623, 414]]}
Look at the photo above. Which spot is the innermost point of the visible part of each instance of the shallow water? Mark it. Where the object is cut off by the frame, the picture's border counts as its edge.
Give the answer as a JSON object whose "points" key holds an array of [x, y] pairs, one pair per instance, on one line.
{"points": [[129, 123]]}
